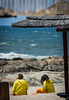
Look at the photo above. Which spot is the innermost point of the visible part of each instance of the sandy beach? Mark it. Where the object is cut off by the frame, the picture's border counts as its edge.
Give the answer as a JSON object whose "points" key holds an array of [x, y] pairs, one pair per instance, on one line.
{"points": [[32, 70], [32, 89], [59, 86]]}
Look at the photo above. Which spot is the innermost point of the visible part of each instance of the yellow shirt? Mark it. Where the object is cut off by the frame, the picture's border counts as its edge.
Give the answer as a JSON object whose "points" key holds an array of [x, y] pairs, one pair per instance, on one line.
{"points": [[48, 86], [20, 87]]}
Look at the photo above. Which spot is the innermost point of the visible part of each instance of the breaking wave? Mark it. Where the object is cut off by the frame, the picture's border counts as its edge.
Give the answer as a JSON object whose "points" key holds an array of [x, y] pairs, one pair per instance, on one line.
{"points": [[12, 55]]}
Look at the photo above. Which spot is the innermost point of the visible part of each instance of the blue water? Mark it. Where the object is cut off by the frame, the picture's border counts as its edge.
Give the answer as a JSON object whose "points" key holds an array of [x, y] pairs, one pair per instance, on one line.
{"points": [[30, 42]]}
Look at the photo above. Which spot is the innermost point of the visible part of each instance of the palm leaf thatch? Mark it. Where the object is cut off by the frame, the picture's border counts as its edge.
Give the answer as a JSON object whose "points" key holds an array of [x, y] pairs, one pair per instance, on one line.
{"points": [[44, 21]]}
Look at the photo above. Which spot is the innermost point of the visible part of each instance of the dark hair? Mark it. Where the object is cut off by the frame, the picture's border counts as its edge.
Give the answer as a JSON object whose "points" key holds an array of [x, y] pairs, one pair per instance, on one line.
{"points": [[20, 76], [44, 77]]}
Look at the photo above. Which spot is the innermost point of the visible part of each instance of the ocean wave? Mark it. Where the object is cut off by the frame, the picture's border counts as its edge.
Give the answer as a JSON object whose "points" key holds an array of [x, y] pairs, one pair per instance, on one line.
{"points": [[3, 43], [41, 57], [35, 31], [12, 55], [55, 35], [33, 44]]}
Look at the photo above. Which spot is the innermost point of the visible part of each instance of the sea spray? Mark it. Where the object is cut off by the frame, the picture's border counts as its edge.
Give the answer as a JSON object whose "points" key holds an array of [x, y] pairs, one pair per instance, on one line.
{"points": [[12, 55]]}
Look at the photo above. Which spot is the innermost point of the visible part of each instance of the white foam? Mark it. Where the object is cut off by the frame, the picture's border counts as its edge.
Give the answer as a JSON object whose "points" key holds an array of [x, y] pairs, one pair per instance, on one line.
{"points": [[3, 43], [35, 31], [54, 35], [41, 57], [33, 44], [13, 55]]}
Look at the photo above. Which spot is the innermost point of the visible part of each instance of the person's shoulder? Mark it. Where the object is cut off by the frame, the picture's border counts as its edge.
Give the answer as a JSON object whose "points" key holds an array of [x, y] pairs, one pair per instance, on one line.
{"points": [[16, 81], [24, 80], [51, 80]]}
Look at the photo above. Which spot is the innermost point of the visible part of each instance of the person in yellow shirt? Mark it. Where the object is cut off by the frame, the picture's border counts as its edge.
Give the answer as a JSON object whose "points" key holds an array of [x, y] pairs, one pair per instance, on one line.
{"points": [[20, 86], [48, 86]]}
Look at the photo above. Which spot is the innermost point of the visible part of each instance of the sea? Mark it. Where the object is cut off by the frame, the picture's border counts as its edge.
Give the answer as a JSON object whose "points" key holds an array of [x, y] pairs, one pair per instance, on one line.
{"points": [[36, 43]]}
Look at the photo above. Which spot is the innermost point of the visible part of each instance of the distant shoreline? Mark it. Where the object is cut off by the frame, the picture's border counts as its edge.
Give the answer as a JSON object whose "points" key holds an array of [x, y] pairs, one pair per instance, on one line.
{"points": [[29, 57]]}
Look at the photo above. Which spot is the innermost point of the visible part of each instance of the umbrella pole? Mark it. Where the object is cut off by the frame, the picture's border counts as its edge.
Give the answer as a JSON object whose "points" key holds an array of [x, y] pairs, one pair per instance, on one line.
{"points": [[45, 4], [65, 61], [49, 3], [23, 6], [5, 3], [66, 67], [12, 4], [16, 4], [20, 6], [26, 6], [53, 1], [34, 5], [2, 3], [8, 4]]}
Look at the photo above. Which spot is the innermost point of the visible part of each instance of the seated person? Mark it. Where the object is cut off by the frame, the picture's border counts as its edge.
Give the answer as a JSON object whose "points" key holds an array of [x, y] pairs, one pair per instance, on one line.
{"points": [[48, 86], [20, 86]]}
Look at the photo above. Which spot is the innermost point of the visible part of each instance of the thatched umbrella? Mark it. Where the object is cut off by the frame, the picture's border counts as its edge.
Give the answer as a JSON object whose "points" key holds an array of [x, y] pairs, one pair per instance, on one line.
{"points": [[63, 28], [5, 13], [44, 21]]}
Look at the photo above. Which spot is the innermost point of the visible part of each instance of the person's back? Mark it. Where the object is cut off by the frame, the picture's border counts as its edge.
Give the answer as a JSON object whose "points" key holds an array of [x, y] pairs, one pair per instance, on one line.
{"points": [[20, 87], [48, 86]]}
